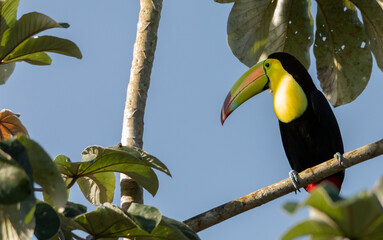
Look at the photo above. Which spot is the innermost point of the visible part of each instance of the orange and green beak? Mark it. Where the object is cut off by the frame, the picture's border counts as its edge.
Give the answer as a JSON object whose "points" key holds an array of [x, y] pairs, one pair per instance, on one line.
{"points": [[248, 85]]}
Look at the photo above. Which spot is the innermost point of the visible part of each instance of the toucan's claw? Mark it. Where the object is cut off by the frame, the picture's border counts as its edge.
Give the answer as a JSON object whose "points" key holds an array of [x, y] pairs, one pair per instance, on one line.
{"points": [[295, 180], [340, 158]]}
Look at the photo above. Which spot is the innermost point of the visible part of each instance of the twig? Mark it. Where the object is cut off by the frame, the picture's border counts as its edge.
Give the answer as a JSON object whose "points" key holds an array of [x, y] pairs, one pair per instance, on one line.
{"points": [[276, 190]]}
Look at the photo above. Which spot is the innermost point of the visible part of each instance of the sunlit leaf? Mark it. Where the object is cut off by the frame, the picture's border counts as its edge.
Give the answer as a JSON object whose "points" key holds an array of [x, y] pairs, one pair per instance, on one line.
{"points": [[10, 124], [8, 10], [39, 58], [314, 228], [43, 44], [342, 52], [47, 221], [12, 225], [96, 159], [372, 15], [98, 188], [45, 173], [27, 26]]}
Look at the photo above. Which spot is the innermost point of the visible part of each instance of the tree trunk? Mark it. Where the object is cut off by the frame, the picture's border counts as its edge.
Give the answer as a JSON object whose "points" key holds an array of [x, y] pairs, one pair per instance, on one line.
{"points": [[133, 123]]}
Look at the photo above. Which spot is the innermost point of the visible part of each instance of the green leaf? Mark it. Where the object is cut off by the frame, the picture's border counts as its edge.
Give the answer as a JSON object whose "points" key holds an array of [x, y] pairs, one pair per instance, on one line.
{"points": [[98, 188], [47, 221], [248, 29], [342, 52], [43, 44], [146, 217], [96, 159], [378, 190], [314, 228], [15, 185], [5, 72], [151, 161], [12, 225], [257, 28], [110, 221], [8, 10], [372, 18], [291, 207], [73, 209], [39, 58], [45, 173], [27, 26]]}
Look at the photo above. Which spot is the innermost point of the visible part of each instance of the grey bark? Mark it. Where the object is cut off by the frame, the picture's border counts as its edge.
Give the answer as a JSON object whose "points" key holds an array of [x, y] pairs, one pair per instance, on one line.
{"points": [[133, 123], [276, 190]]}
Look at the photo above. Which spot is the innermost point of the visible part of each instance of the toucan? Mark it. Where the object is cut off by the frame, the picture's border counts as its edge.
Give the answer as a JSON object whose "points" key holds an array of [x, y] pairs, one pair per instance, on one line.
{"points": [[309, 130]]}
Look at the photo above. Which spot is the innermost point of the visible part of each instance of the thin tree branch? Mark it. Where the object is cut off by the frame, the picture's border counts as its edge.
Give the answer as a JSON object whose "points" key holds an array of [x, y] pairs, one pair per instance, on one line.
{"points": [[133, 123], [276, 190]]}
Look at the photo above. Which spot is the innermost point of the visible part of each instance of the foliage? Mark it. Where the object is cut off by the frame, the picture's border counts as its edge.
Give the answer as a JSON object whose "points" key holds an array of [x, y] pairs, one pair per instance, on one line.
{"points": [[342, 45], [359, 217], [20, 43]]}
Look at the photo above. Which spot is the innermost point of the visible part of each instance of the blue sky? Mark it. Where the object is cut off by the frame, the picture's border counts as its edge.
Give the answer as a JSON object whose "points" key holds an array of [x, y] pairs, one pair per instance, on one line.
{"points": [[76, 103]]}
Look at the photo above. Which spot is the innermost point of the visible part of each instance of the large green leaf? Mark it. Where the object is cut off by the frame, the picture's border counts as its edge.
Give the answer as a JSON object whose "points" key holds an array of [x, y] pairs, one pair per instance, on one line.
{"points": [[45, 172], [8, 12], [36, 45], [98, 188], [372, 14], [342, 52], [39, 58], [15, 184], [12, 225], [47, 221], [27, 26], [248, 29], [138, 222], [97, 159], [258, 28], [313, 227]]}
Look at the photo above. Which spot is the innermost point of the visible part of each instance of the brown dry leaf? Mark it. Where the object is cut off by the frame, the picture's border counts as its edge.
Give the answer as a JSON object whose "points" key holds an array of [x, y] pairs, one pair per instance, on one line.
{"points": [[10, 125]]}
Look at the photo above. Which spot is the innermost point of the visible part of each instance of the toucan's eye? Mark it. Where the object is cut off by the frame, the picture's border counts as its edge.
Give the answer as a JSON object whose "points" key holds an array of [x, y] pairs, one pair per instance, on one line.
{"points": [[267, 65]]}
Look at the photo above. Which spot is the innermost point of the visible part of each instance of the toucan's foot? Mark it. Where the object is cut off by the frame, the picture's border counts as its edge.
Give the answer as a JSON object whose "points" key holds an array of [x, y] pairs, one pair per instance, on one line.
{"points": [[295, 180], [340, 158]]}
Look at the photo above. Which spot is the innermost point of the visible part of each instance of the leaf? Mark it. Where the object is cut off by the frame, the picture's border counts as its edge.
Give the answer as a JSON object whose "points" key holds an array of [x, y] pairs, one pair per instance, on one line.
{"points": [[312, 227], [45, 173], [248, 29], [15, 185], [96, 159], [27, 26], [372, 18], [73, 209], [43, 44], [151, 160], [5, 72], [109, 221], [8, 10], [291, 207], [10, 124], [342, 52], [98, 188], [378, 190], [12, 224], [258, 28], [39, 58], [47, 221]]}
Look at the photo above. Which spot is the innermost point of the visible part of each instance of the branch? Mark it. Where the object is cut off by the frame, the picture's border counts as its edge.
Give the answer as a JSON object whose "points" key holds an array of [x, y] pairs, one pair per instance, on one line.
{"points": [[276, 190], [133, 123]]}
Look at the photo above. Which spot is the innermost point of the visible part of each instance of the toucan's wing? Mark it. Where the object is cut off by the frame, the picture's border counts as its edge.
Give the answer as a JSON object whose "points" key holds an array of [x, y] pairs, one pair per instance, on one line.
{"points": [[327, 120]]}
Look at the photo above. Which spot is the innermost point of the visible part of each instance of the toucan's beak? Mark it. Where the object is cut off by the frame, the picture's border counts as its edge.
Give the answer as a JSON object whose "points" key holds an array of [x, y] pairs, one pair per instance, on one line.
{"points": [[248, 85]]}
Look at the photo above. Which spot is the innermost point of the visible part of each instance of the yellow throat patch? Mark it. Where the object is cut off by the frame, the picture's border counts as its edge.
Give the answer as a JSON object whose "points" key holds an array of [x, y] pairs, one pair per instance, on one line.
{"points": [[290, 101]]}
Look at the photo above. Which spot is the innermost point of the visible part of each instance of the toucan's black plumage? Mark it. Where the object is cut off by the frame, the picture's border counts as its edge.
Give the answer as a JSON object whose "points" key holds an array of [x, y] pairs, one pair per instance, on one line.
{"points": [[309, 130], [314, 137]]}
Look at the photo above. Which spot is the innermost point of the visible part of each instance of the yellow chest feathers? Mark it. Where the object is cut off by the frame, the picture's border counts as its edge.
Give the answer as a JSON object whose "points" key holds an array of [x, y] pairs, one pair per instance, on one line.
{"points": [[290, 101]]}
